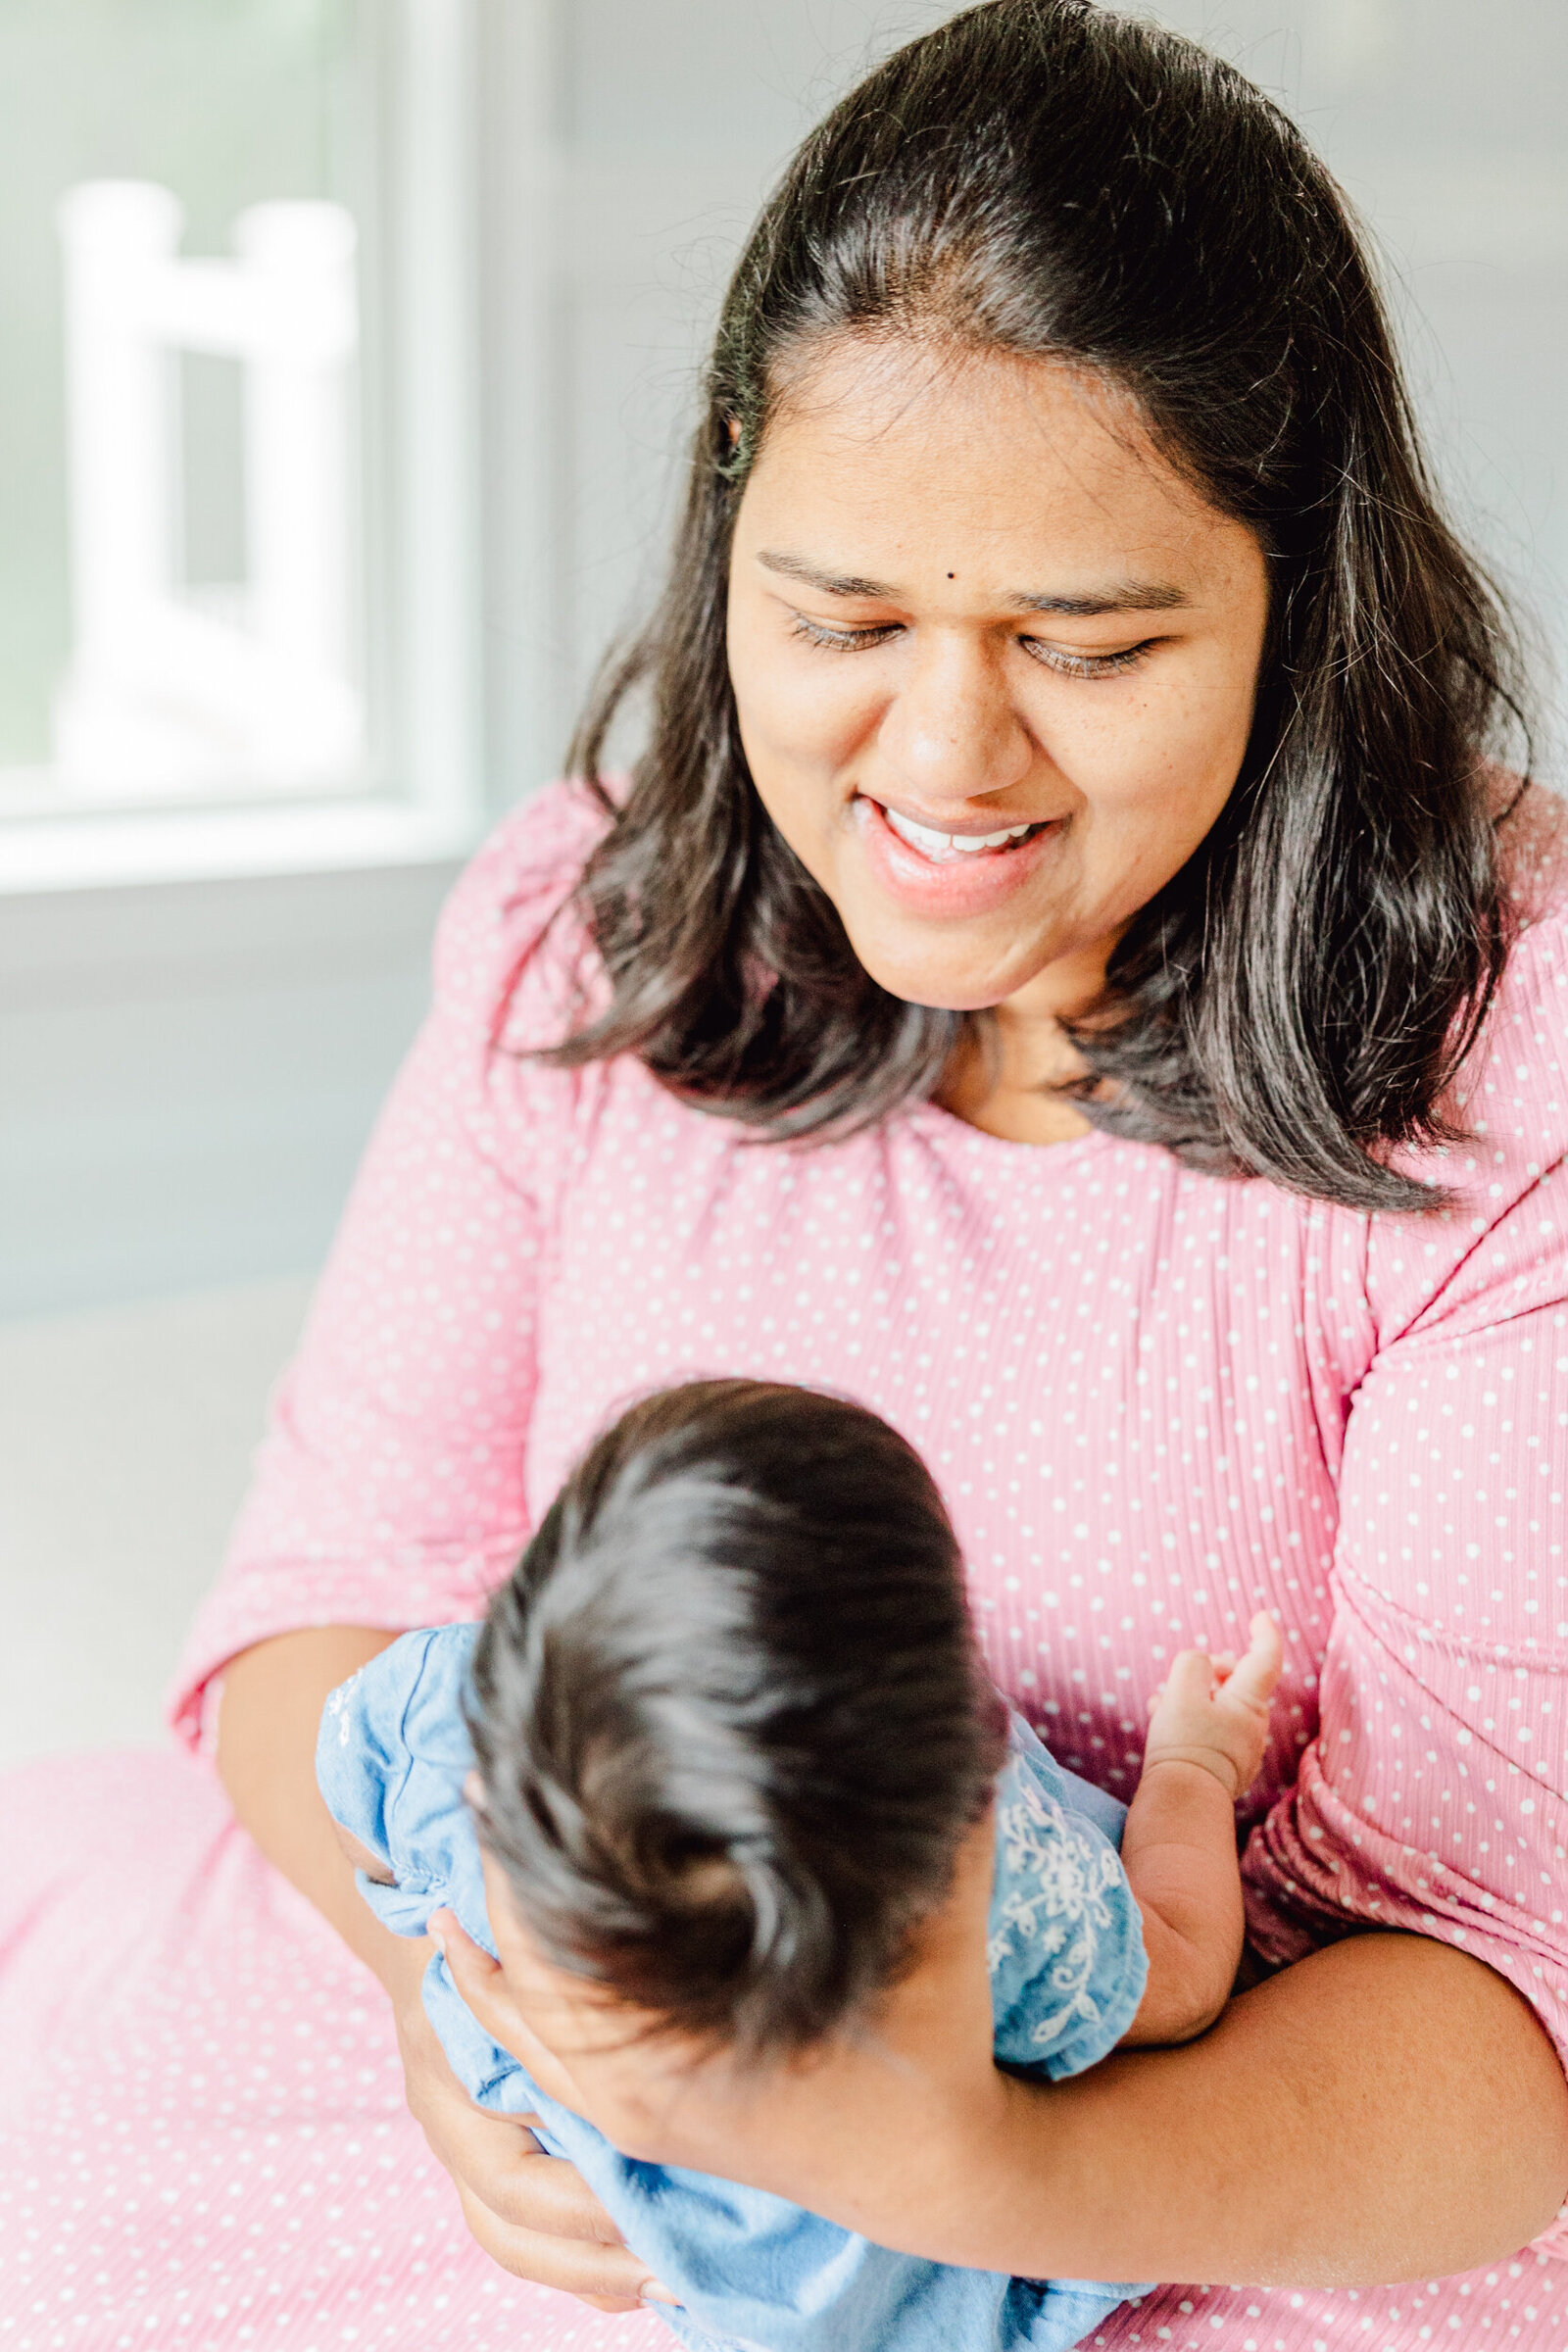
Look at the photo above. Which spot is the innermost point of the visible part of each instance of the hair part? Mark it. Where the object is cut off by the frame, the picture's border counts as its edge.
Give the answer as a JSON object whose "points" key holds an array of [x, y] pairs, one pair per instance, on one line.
{"points": [[729, 1713], [1047, 179]]}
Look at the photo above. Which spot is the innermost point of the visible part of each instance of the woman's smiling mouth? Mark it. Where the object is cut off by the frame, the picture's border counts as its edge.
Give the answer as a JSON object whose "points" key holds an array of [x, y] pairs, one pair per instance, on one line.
{"points": [[931, 871], [943, 847]]}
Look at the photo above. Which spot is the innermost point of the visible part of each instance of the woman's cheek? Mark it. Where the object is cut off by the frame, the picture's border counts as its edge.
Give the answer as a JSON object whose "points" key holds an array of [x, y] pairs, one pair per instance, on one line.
{"points": [[800, 737], [1154, 771]]}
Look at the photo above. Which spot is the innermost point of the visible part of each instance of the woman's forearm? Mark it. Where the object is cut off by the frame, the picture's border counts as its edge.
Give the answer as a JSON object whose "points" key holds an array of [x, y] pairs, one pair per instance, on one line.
{"points": [[266, 1726], [1387, 2109]]}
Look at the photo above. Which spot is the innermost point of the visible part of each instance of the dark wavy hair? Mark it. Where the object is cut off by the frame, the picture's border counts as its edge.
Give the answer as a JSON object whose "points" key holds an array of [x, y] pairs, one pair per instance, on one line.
{"points": [[729, 1713], [1046, 177]]}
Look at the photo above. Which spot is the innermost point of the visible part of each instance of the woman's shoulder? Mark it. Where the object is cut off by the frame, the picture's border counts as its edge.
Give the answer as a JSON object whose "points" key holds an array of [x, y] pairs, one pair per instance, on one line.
{"points": [[511, 948], [1525, 1040], [1501, 1244], [1534, 840]]}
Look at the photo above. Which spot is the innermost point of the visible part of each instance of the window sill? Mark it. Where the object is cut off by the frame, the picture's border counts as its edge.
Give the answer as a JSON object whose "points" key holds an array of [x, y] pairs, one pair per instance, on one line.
{"points": [[211, 844]]}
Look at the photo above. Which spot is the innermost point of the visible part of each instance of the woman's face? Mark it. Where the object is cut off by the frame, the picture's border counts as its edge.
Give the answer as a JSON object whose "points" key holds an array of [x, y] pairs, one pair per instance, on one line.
{"points": [[971, 605]]}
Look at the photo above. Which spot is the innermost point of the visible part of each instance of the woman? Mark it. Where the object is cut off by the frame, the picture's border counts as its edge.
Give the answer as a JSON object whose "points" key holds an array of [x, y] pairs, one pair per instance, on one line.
{"points": [[1065, 971]]}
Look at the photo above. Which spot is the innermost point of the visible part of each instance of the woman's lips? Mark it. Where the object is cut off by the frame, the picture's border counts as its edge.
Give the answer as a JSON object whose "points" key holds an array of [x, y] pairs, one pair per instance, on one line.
{"points": [[943, 848], [931, 874]]}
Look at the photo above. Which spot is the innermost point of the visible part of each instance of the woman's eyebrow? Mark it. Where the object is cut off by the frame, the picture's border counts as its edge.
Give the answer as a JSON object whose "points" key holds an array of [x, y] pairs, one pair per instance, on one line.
{"points": [[1125, 595], [1121, 596], [830, 583]]}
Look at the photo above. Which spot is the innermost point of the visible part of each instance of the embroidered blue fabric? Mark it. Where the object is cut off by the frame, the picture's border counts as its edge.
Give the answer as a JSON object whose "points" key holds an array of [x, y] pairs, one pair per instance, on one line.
{"points": [[753, 2273]]}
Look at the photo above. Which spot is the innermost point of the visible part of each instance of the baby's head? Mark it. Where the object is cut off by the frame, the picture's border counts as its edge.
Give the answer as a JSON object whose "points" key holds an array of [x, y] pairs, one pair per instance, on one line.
{"points": [[729, 1716]]}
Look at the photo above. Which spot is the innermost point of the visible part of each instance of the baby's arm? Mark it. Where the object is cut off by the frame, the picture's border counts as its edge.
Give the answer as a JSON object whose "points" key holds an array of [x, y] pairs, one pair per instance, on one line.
{"points": [[1206, 1735], [375, 1866]]}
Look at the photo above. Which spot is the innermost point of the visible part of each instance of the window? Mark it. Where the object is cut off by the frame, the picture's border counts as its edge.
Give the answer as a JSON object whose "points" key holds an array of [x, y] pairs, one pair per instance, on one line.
{"points": [[238, 581]]}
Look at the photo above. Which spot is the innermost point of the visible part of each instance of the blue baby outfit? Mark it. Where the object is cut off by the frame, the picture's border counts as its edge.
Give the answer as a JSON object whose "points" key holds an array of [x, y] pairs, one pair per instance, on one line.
{"points": [[753, 2271]]}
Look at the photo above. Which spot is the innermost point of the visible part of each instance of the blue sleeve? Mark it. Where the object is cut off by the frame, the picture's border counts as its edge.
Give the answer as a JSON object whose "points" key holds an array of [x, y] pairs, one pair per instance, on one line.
{"points": [[391, 1757], [1065, 1948]]}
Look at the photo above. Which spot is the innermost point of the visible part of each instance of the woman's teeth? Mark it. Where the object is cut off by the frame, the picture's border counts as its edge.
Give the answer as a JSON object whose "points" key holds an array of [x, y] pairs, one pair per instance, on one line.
{"points": [[942, 847]]}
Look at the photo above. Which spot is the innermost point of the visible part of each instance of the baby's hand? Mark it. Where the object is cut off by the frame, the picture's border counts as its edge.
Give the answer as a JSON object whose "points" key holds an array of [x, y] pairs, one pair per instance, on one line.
{"points": [[1213, 1712]]}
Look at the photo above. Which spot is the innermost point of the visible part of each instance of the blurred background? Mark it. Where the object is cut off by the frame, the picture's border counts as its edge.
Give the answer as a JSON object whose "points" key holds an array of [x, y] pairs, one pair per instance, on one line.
{"points": [[347, 348]]}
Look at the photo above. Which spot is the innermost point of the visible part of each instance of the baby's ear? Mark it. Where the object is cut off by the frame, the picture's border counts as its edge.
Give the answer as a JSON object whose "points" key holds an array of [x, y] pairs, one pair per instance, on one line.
{"points": [[473, 1791]]}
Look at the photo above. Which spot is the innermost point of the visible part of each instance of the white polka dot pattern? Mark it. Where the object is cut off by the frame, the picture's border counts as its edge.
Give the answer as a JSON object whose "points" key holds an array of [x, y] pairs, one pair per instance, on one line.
{"points": [[1154, 1402]]}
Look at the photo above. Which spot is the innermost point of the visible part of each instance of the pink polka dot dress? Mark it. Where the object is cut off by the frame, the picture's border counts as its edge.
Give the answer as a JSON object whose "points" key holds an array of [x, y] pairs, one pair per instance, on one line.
{"points": [[1155, 1401]]}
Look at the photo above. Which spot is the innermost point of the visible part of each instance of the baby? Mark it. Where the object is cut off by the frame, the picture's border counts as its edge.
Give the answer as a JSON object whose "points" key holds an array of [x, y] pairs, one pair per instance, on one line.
{"points": [[730, 1728]]}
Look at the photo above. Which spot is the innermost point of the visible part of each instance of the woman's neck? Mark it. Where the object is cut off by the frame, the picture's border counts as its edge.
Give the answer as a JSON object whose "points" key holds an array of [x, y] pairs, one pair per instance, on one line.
{"points": [[1008, 1090], [1007, 1075]]}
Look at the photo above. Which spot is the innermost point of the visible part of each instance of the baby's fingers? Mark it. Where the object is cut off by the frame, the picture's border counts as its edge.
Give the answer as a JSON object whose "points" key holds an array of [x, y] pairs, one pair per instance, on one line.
{"points": [[1190, 1680], [1254, 1679]]}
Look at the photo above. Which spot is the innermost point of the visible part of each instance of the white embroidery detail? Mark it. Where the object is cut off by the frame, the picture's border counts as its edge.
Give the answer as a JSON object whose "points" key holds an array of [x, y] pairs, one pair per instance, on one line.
{"points": [[1055, 1901], [338, 1705]]}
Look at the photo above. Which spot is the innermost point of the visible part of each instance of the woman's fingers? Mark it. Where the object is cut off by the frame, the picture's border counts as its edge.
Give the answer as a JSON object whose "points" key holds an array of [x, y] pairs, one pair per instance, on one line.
{"points": [[532, 2213], [541, 2193], [475, 1975], [486, 1991], [498, 2161], [496, 2158], [608, 2276]]}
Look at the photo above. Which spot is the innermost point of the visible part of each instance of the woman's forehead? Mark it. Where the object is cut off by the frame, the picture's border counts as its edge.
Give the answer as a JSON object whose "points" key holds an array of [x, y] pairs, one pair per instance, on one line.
{"points": [[936, 461]]}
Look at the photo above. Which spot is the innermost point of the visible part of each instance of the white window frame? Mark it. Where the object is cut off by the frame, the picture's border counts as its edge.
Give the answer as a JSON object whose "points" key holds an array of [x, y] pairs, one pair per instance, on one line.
{"points": [[433, 806]]}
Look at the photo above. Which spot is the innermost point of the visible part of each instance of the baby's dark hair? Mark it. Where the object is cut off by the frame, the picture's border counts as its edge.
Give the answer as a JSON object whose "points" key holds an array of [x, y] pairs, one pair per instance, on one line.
{"points": [[729, 1713]]}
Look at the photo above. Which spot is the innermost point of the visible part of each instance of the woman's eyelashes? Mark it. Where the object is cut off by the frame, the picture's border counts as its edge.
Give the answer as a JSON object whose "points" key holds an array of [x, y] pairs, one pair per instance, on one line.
{"points": [[841, 641], [1054, 656], [1087, 665]]}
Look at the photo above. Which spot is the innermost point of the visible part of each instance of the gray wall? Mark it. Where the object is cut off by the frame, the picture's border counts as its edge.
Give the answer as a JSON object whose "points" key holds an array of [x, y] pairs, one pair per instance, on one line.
{"points": [[188, 1073], [1444, 122]]}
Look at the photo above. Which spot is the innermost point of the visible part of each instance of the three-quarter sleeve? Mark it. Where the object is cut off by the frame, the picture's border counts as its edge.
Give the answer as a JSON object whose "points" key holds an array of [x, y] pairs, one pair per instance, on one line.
{"points": [[389, 1488], [1435, 1794]]}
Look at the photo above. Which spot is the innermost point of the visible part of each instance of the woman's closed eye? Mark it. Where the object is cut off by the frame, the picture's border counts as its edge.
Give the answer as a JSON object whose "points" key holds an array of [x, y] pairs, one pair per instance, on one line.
{"points": [[841, 641], [1059, 658], [1087, 665]]}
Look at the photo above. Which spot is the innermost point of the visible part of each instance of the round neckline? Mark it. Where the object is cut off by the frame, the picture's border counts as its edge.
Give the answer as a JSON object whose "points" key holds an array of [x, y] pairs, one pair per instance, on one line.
{"points": [[963, 1131]]}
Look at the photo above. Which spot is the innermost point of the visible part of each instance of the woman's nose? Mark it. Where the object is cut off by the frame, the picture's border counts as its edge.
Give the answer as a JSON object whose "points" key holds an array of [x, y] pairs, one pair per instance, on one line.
{"points": [[952, 732]]}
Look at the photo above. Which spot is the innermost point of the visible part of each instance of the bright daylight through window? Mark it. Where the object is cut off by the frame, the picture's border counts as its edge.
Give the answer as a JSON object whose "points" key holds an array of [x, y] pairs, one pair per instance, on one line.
{"points": [[237, 579]]}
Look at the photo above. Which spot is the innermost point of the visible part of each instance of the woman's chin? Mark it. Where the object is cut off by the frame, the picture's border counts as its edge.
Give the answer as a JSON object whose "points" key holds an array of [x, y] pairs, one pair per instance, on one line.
{"points": [[955, 985]]}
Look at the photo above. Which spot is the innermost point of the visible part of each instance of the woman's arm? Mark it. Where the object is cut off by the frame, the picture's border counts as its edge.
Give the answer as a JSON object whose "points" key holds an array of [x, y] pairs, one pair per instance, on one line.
{"points": [[389, 1491], [531, 2212], [267, 1727], [1387, 2109]]}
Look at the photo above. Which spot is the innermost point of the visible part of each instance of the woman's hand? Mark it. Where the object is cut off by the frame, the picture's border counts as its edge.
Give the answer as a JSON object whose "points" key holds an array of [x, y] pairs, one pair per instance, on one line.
{"points": [[532, 2213]]}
